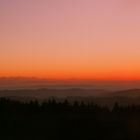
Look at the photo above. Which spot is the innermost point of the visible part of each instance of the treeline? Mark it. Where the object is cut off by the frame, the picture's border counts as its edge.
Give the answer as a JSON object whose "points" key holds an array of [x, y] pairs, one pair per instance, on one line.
{"points": [[64, 120], [53, 106]]}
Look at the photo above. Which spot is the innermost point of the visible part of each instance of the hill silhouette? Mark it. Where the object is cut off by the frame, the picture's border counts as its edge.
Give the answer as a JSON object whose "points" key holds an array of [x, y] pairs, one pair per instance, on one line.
{"points": [[44, 93], [127, 93], [36, 83], [53, 120]]}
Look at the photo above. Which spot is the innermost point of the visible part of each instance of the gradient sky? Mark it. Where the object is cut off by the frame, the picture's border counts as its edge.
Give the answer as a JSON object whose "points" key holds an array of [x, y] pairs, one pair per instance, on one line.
{"points": [[70, 39]]}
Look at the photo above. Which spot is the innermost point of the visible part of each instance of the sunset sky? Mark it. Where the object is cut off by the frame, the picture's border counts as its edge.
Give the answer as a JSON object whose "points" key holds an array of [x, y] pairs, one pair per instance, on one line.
{"points": [[70, 39]]}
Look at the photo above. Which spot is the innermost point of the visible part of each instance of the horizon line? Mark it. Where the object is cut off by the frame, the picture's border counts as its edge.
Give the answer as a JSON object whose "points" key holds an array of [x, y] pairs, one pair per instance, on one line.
{"points": [[67, 79]]}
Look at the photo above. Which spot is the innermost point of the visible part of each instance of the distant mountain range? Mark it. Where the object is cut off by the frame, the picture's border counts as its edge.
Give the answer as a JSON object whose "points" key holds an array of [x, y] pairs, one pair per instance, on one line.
{"points": [[81, 92], [45, 93], [134, 93], [36, 83]]}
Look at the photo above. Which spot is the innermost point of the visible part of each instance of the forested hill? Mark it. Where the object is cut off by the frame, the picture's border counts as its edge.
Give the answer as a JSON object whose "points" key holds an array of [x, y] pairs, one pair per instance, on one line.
{"points": [[51, 120]]}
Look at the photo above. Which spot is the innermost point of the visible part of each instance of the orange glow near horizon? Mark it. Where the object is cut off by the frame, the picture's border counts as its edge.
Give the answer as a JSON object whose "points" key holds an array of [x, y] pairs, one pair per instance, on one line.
{"points": [[76, 39], [77, 75]]}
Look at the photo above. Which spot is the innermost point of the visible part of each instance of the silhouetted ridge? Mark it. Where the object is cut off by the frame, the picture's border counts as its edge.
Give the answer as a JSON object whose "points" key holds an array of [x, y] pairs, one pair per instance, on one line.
{"points": [[44, 92], [127, 93]]}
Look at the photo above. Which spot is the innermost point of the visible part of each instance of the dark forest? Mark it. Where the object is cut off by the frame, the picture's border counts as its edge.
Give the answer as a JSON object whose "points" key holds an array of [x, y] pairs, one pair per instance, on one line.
{"points": [[53, 120]]}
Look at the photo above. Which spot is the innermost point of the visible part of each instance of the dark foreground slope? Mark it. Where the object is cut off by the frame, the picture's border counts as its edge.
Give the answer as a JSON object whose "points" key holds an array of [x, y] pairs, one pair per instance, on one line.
{"points": [[64, 121]]}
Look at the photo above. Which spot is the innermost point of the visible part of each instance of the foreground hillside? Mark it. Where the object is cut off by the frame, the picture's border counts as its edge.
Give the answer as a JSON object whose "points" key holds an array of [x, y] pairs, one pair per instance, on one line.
{"points": [[51, 120]]}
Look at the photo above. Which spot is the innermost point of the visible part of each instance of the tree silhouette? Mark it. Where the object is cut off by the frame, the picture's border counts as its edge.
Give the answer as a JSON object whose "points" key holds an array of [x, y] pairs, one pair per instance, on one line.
{"points": [[64, 120]]}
